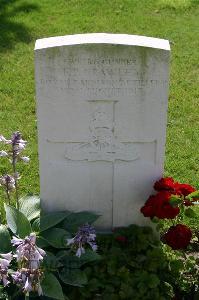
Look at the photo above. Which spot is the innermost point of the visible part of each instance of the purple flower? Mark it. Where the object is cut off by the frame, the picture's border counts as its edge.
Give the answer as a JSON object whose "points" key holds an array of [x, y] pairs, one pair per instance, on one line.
{"points": [[85, 235], [3, 139], [17, 140], [8, 182], [28, 253], [4, 264], [18, 144], [25, 159], [29, 258], [28, 280], [3, 153]]}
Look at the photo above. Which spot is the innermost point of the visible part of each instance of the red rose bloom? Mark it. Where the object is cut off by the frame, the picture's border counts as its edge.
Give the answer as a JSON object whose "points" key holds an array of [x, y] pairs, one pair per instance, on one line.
{"points": [[164, 210], [121, 239], [148, 209], [184, 189], [159, 206], [166, 183], [178, 237]]}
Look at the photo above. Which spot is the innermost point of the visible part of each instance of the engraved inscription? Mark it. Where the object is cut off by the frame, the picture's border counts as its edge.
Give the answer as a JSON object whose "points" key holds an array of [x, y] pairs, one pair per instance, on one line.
{"points": [[97, 75], [103, 145]]}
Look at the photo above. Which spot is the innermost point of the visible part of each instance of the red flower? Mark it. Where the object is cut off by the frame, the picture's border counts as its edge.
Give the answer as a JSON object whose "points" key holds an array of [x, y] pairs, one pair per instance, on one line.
{"points": [[159, 206], [166, 183], [184, 189], [148, 209], [164, 210], [178, 237], [121, 239]]}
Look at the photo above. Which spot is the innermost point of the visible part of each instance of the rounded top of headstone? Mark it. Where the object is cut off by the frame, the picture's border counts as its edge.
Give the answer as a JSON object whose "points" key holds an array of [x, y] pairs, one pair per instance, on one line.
{"points": [[102, 38]]}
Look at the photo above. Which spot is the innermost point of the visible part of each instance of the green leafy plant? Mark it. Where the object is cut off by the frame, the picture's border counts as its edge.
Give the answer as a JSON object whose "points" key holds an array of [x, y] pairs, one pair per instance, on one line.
{"points": [[169, 209], [53, 255], [28, 232], [132, 266]]}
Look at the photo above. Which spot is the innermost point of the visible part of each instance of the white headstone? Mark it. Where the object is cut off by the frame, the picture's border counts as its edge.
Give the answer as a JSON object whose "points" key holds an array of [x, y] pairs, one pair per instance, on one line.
{"points": [[102, 108]]}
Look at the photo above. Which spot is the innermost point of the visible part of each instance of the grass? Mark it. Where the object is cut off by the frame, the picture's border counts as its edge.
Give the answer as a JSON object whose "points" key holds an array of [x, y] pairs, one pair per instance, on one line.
{"points": [[22, 22]]}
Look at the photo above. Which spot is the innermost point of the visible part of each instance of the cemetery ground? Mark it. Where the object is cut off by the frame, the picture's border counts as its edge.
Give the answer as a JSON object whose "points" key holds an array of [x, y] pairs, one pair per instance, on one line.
{"points": [[22, 22]]}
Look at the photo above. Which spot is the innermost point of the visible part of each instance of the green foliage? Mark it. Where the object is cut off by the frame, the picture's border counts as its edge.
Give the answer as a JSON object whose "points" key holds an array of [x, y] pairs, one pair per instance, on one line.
{"points": [[130, 263], [135, 268], [56, 237], [194, 195], [184, 273], [74, 277], [88, 257], [17, 221], [51, 287], [175, 200], [5, 242], [65, 263], [189, 212], [30, 207], [74, 220], [36, 225], [51, 219]]}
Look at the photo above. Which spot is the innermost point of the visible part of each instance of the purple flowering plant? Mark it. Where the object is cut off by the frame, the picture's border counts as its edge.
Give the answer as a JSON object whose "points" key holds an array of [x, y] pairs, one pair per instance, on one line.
{"points": [[38, 249], [55, 255], [86, 235]]}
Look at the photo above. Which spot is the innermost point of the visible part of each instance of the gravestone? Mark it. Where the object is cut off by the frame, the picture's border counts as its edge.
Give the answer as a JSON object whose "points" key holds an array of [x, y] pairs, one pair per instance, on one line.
{"points": [[102, 108]]}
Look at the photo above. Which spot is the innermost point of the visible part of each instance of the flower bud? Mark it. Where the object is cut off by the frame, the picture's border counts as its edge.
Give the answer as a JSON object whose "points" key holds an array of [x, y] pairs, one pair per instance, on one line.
{"points": [[25, 159], [3, 153], [3, 139]]}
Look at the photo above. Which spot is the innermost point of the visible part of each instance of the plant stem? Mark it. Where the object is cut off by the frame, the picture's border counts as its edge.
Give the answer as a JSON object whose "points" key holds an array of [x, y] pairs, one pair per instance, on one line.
{"points": [[16, 185], [27, 296], [7, 193]]}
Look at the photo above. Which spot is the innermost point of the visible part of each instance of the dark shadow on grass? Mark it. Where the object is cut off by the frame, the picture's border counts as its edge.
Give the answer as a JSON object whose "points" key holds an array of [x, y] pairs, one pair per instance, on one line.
{"points": [[11, 31]]}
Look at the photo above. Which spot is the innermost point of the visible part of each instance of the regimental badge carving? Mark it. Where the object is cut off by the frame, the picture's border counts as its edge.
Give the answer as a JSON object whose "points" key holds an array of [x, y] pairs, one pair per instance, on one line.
{"points": [[103, 144]]}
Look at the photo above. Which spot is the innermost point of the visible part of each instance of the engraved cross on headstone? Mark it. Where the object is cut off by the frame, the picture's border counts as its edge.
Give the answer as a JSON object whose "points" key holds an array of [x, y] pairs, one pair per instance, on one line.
{"points": [[102, 145]]}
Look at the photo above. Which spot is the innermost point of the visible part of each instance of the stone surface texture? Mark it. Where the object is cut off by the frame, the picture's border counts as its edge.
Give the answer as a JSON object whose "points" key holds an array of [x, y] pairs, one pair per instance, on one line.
{"points": [[102, 109]]}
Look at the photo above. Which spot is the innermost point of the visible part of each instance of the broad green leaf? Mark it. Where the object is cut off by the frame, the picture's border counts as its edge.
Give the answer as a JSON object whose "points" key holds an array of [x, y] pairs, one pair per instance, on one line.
{"points": [[74, 220], [190, 213], [36, 225], [89, 256], [74, 277], [51, 219], [56, 237], [74, 262], [41, 242], [193, 195], [51, 287], [68, 260], [51, 262], [17, 221], [30, 207], [5, 241]]}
